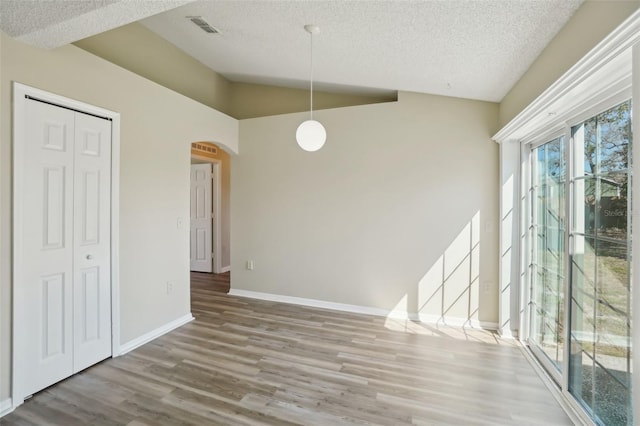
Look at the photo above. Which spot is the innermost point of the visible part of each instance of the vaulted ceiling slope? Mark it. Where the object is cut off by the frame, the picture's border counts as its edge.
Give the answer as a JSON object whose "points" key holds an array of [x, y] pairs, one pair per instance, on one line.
{"points": [[476, 49], [54, 23]]}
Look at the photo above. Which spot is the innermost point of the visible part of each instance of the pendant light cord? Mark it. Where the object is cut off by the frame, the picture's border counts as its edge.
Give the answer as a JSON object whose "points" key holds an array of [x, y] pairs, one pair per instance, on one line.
{"points": [[311, 79]]}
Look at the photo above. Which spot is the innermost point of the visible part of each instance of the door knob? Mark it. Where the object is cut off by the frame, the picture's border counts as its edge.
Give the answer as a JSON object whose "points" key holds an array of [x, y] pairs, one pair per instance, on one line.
{"points": [[89, 257]]}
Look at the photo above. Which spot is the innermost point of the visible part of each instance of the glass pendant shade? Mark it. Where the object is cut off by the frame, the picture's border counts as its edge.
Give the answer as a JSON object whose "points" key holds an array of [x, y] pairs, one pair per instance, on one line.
{"points": [[311, 135]]}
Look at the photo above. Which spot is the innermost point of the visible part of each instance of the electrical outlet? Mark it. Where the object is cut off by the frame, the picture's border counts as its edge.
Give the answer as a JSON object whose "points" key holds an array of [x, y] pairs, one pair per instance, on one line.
{"points": [[180, 223], [486, 286], [250, 265], [170, 285]]}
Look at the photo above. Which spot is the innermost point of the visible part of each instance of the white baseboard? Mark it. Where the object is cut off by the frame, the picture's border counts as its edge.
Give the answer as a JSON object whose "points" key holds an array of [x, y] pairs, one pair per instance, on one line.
{"points": [[507, 333], [367, 310], [225, 269], [154, 334], [457, 322], [6, 406], [309, 302]]}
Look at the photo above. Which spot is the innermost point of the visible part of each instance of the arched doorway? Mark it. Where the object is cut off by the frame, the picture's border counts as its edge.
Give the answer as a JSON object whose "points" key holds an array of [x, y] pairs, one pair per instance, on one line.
{"points": [[210, 215]]}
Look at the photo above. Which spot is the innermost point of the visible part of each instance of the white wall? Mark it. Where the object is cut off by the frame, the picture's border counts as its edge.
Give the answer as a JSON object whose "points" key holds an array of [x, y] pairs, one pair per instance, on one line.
{"points": [[226, 208], [157, 127], [398, 210], [509, 263]]}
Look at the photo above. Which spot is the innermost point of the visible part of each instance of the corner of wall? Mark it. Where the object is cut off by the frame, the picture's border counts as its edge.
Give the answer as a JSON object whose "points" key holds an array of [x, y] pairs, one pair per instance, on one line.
{"points": [[161, 62], [6, 407]]}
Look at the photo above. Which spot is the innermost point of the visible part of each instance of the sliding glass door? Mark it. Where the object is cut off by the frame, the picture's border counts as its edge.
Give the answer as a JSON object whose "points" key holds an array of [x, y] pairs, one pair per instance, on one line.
{"points": [[580, 250], [548, 254], [600, 348]]}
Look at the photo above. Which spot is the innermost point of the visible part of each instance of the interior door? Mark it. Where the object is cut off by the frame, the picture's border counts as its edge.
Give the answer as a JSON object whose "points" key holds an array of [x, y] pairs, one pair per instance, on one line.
{"points": [[201, 221], [92, 248], [47, 243], [65, 244]]}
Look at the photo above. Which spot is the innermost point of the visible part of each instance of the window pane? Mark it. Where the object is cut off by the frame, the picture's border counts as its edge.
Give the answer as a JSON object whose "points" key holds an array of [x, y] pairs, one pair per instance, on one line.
{"points": [[600, 368], [587, 148], [604, 142], [611, 206], [614, 128], [600, 320], [583, 306], [547, 313], [613, 323], [584, 205]]}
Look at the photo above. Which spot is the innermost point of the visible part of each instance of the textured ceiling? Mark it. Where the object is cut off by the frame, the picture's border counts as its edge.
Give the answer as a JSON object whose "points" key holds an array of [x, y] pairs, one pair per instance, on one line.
{"points": [[53, 23], [475, 49], [471, 49]]}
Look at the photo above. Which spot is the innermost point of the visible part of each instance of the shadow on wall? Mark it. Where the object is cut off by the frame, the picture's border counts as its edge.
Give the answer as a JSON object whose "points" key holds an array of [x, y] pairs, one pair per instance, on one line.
{"points": [[449, 292], [507, 253]]}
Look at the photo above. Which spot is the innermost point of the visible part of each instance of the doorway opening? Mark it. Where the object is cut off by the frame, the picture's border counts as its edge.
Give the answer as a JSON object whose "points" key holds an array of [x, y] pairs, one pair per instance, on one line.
{"points": [[210, 257]]}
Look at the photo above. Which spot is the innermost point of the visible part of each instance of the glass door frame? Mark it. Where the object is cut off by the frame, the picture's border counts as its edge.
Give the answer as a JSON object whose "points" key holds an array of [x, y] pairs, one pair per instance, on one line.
{"points": [[530, 248], [528, 242]]}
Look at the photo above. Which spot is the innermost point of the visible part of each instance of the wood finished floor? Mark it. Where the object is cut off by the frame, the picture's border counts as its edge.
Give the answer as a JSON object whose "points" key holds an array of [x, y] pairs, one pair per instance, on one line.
{"points": [[245, 361], [213, 282]]}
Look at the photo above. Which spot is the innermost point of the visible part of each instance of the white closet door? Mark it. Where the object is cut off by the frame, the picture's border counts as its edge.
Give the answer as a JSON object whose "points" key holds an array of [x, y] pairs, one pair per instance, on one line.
{"points": [[92, 279], [65, 293], [201, 222], [47, 242]]}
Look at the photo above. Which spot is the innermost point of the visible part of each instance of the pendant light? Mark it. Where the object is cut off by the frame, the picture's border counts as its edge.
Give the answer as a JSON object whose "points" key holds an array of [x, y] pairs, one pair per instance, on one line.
{"points": [[311, 134]]}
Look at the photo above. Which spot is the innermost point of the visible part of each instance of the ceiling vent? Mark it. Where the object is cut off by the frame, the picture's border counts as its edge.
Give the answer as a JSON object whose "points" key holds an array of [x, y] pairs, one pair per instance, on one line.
{"points": [[204, 25]]}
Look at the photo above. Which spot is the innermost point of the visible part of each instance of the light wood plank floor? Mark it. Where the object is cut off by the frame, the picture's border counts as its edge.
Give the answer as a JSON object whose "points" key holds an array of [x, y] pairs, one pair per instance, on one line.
{"points": [[215, 282], [245, 361]]}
